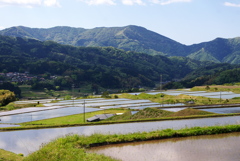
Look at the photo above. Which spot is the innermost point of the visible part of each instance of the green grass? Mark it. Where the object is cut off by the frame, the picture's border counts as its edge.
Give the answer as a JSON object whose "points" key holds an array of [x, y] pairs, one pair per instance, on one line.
{"points": [[65, 149], [13, 106], [72, 119], [145, 115], [9, 156], [125, 116], [151, 113], [217, 88], [169, 99], [27, 93], [190, 112], [73, 147], [77, 120], [154, 113]]}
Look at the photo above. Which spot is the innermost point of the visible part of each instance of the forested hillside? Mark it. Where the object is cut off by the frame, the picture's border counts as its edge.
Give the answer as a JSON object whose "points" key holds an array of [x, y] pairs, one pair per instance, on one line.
{"points": [[103, 66], [129, 38], [218, 50], [134, 38], [214, 74]]}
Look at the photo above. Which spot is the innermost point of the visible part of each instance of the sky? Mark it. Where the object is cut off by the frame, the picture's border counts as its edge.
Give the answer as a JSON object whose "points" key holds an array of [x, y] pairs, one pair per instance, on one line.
{"points": [[185, 21]]}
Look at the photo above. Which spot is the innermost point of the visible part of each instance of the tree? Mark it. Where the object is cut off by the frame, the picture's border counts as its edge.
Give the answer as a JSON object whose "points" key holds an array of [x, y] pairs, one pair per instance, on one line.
{"points": [[207, 87], [6, 97], [95, 88], [106, 95], [9, 86]]}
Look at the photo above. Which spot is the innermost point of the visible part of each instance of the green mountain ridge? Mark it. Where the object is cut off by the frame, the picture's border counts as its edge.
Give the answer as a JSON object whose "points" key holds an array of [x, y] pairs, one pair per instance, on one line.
{"points": [[218, 74], [202, 55], [129, 38], [133, 38], [105, 66]]}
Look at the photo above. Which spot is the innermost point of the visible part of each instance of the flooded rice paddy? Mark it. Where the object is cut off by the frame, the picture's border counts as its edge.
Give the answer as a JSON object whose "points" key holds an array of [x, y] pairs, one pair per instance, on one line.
{"points": [[220, 110], [224, 110], [222, 147], [70, 107], [223, 95], [7, 125], [40, 115], [28, 141]]}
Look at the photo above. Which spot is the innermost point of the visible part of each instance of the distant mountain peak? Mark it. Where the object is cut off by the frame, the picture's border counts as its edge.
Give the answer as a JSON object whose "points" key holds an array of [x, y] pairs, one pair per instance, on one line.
{"points": [[129, 38]]}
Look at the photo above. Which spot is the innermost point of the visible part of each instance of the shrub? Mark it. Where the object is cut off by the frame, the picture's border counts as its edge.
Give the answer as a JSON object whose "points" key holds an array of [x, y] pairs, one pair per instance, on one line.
{"points": [[6, 97]]}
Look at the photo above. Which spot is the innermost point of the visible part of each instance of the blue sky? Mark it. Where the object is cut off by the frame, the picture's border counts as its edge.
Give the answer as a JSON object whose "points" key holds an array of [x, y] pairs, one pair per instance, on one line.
{"points": [[185, 21]]}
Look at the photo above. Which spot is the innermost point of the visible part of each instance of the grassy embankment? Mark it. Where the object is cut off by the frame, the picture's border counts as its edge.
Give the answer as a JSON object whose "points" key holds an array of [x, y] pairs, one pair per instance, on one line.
{"points": [[73, 119], [170, 99], [13, 106], [148, 114], [9, 156], [153, 113], [218, 88], [78, 119], [74, 147]]}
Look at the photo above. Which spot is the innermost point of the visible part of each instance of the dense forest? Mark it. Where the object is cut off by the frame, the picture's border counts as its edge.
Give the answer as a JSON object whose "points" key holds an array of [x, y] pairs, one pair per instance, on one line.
{"points": [[105, 67], [214, 74]]}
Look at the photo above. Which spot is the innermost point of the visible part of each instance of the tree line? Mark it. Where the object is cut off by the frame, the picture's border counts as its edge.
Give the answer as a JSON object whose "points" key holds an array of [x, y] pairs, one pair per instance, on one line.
{"points": [[105, 67]]}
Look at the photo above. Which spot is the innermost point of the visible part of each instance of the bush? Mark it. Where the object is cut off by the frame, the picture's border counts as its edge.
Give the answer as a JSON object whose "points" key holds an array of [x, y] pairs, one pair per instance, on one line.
{"points": [[67, 97], [106, 95], [6, 97]]}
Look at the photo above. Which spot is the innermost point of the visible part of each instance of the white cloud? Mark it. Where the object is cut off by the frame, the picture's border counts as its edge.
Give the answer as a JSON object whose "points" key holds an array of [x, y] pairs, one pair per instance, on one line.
{"points": [[50, 3], [132, 2], [1, 27], [231, 4], [99, 2], [165, 2], [30, 3], [20, 2]]}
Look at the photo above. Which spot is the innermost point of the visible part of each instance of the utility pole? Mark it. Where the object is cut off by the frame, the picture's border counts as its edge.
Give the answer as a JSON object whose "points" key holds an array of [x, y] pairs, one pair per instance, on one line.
{"points": [[220, 96], [72, 93], [84, 111], [161, 88], [161, 82]]}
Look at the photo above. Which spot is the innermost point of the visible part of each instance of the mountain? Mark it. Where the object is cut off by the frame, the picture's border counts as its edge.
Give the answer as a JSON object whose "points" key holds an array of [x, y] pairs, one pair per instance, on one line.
{"points": [[218, 50], [105, 66], [134, 38], [129, 38], [203, 55], [218, 74]]}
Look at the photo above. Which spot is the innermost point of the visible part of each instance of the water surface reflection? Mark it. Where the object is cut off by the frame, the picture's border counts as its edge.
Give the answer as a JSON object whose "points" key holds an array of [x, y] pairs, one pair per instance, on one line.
{"points": [[40, 115], [223, 110], [198, 148], [8, 125], [27, 141]]}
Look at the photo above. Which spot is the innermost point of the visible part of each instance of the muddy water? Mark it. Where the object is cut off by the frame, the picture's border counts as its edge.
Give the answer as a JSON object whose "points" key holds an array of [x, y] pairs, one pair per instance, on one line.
{"points": [[223, 147]]}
